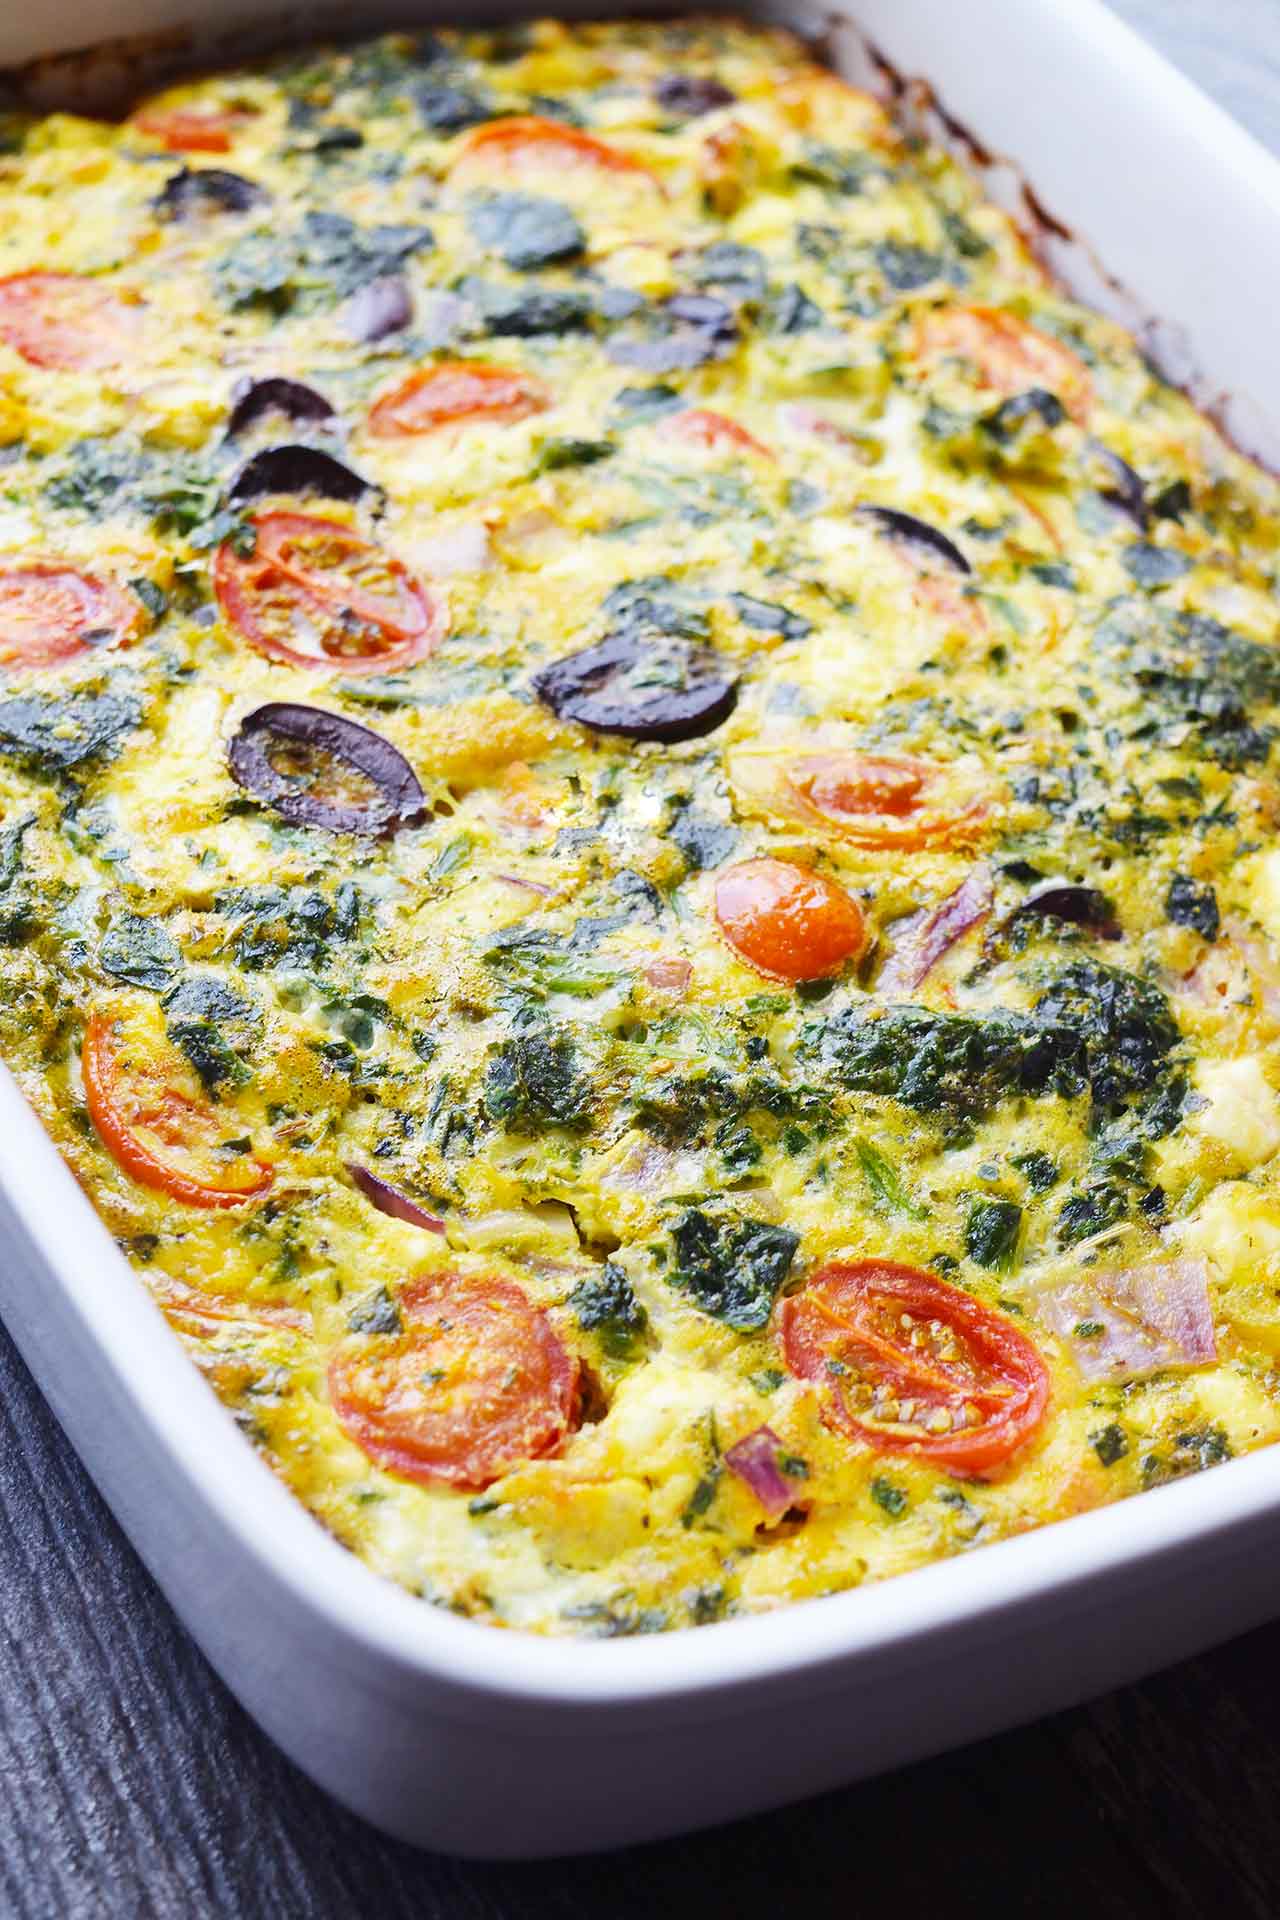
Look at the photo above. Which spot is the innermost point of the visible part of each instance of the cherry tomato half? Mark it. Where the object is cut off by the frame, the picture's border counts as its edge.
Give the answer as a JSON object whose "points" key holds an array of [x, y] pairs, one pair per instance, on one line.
{"points": [[527, 141], [477, 1381], [48, 613], [315, 593], [1010, 354], [787, 921], [700, 427], [156, 1125], [190, 129], [876, 800], [454, 393], [908, 1364], [66, 321]]}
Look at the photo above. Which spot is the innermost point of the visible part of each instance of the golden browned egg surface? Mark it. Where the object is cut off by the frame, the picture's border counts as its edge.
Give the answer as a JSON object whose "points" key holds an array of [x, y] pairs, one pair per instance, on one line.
{"points": [[638, 859]]}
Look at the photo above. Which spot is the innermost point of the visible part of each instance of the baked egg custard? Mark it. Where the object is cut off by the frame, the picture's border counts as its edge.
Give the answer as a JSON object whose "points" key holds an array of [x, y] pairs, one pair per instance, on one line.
{"points": [[639, 859]]}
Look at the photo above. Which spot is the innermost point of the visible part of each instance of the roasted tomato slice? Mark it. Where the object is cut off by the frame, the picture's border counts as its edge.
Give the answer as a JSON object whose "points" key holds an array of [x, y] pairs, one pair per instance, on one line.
{"points": [[151, 1116], [49, 613], [456, 393], [787, 921], [700, 427], [876, 800], [477, 1381], [66, 321], [526, 142], [315, 593], [1010, 354], [190, 129], [910, 1365]]}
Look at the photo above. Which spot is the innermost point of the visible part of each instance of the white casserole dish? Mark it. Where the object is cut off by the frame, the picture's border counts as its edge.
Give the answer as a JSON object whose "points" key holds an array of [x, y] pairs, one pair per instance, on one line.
{"points": [[453, 1735]]}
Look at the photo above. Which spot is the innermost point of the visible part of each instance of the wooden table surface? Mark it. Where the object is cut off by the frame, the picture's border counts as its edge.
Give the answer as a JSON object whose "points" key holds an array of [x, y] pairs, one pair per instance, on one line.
{"points": [[132, 1785]]}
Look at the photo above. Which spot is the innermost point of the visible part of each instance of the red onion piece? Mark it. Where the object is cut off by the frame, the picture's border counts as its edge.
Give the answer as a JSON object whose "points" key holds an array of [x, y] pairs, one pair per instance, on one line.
{"points": [[389, 1200], [754, 1459], [1146, 1318], [382, 306], [927, 936]]}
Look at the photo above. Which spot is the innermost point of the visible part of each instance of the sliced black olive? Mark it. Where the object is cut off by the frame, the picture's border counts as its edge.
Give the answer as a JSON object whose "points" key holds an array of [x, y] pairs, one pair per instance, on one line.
{"points": [[254, 399], [1086, 907], [692, 94], [648, 687], [282, 753], [917, 533], [193, 191], [1007, 421], [380, 307], [1128, 494], [297, 469], [685, 331]]}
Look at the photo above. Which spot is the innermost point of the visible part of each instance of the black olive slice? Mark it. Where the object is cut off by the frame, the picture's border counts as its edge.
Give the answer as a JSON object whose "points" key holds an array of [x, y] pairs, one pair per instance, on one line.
{"points": [[193, 191], [254, 399], [692, 94], [297, 469], [380, 307], [1128, 494], [1083, 906], [310, 734], [896, 525], [648, 687]]}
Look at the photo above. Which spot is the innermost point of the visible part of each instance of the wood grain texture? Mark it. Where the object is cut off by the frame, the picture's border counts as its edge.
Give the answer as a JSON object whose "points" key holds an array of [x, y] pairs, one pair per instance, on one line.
{"points": [[132, 1787]]}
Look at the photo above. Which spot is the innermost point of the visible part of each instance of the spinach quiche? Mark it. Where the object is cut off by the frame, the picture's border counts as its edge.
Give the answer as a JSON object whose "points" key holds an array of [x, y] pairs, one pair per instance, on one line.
{"points": [[639, 787]]}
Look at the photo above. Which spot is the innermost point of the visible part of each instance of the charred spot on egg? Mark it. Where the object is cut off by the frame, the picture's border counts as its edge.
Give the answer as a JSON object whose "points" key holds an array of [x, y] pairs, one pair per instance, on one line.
{"points": [[637, 861]]}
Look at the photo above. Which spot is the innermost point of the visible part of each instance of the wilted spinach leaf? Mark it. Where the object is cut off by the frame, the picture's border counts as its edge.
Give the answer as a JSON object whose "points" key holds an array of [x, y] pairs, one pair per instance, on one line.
{"points": [[525, 229], [731, 1267], [141, 951]]}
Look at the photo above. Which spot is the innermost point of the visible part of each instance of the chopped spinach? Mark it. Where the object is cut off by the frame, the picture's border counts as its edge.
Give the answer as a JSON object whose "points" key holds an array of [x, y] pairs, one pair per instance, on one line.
{"points": [[765, 616], [991, 1233], [286, 926], [525, 229], [885, 1182], [53, 734], [704, 841], [17, 905], [533, 1081], [1124, 1025], [731, 1267], [606, 1304], [951, 1064], [141, 951], [375, 1312], [1188, 903]]}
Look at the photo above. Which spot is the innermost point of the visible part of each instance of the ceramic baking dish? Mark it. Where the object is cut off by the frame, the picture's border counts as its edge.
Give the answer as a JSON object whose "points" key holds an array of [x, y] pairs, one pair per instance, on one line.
{"points": [[487, 1743]]}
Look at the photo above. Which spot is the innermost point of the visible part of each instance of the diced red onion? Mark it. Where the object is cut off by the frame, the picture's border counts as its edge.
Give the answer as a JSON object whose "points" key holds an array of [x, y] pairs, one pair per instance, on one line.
{"points": [[389, 1200], [754, 1459], [525, 886], [927, 936], [670, 974], [1134, 1320], [382, 306]]}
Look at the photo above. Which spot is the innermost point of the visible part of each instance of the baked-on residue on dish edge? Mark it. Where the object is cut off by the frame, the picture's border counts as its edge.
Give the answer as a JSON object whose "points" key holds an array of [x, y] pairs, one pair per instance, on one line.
{"points": [[639, 855]]}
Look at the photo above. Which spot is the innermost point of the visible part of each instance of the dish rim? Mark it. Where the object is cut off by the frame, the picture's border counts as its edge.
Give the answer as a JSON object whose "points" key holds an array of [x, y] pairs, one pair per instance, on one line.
{"points": [[725, 1663]]}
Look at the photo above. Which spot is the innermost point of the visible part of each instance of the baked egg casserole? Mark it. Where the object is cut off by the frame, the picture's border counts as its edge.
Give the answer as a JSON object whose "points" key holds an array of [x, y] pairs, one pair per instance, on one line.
{"points": [[639, 859]]}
